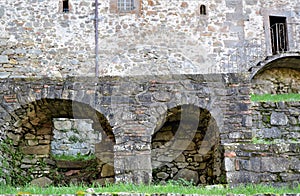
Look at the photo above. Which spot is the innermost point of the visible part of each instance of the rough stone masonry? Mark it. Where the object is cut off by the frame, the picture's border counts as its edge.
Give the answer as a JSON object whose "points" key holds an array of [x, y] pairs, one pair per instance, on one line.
{"points": [[160, 61]]}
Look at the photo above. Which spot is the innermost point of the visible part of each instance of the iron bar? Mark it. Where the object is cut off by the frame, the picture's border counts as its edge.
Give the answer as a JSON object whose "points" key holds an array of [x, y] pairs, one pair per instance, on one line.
{"points": [[96, 40]]}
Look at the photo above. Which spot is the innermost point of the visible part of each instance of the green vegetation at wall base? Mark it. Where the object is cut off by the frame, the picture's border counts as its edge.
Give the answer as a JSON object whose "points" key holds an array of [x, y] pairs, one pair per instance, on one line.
{"points": [[114, 189]]}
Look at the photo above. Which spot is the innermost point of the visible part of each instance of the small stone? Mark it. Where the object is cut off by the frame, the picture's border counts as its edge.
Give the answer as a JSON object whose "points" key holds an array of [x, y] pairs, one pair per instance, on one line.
{"points": [[62, 125], [29, 160], [90, 190], [13, 61], [32, 142], [162, 175]]}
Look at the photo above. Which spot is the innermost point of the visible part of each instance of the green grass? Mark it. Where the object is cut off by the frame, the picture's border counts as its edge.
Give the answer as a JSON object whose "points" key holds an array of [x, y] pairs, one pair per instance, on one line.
{"points": [[158, 189], [263, 141], [275, 97]]}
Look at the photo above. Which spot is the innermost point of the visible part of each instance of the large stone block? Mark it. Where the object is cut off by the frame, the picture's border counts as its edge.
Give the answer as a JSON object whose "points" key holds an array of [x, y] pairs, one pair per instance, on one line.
{"points": [[274, 164], [270, 133], [189, 175], [135, 162], [36, 150]]}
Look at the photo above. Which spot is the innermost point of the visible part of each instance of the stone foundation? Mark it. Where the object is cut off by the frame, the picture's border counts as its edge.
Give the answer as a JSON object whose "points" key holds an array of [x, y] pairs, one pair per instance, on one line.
{"points": [[273, 164]]}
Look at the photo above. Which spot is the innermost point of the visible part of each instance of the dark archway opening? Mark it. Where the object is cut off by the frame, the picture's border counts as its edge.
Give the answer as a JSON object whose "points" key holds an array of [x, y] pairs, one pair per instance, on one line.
{"points": [[188, 147], [31, 132], [279, 76]]}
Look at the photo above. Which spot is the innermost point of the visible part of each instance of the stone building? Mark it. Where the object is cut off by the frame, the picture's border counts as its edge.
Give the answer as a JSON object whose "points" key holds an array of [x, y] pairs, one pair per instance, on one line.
{"points": [[161, 87]]}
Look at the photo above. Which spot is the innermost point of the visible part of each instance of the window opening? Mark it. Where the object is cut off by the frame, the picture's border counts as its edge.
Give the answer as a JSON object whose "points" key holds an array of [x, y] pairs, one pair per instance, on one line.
{"points": [[278, 31], [202, 10], [125, 5], [65, 6]]}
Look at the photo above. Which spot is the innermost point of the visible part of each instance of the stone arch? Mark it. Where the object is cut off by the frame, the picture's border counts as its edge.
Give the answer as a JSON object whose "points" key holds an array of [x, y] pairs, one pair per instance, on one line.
{"points": [[188, 146], [277, 75], [31, 130]]}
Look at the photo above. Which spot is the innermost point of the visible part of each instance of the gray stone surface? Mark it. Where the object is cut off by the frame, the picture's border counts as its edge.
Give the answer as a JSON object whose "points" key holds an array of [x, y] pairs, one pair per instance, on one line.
{"points": [[41, 182], [74, 136], [3, 59], [189, 175], [270, 133], [278, 118]]}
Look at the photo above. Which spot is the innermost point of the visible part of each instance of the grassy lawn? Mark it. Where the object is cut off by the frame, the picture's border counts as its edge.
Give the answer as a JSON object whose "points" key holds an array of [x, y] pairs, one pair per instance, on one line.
{"points": [[158, 189], [275, 98]]}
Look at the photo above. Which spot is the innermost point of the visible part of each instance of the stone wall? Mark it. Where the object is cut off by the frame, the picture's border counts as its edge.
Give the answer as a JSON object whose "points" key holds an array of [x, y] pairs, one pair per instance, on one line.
{"points": [[74, 137], [39, 39], [127, 111], [272, 157], [32, 134], [185, 150], [277, 122], [273, 164]]}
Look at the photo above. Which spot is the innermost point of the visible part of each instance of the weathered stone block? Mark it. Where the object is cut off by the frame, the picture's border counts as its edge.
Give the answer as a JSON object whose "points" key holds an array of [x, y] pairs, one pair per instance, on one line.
{"points": [[41, 182], [269, 133], [247, 121], [242, 177], [62, 125], [162, 175], [4, 59], [38, 150], [107, 170], [295, 164], [278, 118], [287, 177], [273, 164], [188, 175], [73, 164], [229, 164], [254, 164]]}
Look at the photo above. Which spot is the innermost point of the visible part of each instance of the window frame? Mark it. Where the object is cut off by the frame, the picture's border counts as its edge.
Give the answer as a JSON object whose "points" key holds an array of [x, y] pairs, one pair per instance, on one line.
{"points": [[61, 7], [127, 5], [65, 10], [114, 7], [266, 20]]}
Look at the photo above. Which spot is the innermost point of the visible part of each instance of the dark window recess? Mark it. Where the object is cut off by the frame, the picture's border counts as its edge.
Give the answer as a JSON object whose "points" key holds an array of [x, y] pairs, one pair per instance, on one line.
{"points": [[278, 32], [202, 10], [125, 5], [66, 6]]}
